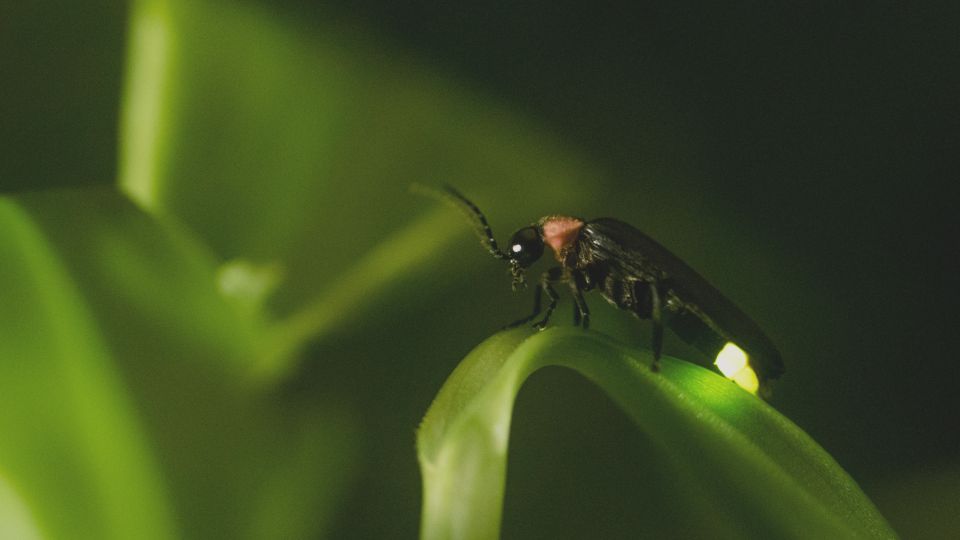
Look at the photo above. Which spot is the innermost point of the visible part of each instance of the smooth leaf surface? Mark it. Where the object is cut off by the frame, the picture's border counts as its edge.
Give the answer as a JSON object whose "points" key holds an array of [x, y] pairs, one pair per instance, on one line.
{"points": [[72, 445], [172, 360], [759, 475]]}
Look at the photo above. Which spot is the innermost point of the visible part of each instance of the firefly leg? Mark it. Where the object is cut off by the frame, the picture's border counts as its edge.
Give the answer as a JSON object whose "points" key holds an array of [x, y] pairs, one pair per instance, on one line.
{"points": [[549, 277], [655, 317], [581, 313], [553, 275]]}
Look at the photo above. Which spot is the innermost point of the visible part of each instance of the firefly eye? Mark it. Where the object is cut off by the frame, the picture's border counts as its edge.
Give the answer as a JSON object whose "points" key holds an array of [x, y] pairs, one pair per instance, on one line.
{"points": [[526, 246]]}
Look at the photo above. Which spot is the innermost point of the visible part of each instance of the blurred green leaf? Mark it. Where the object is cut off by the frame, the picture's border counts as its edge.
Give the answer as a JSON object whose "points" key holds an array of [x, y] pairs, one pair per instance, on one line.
{"points": [[73, 446], [269, 164], [293, 148], [759, 475], [274, 141], [159, 365]]}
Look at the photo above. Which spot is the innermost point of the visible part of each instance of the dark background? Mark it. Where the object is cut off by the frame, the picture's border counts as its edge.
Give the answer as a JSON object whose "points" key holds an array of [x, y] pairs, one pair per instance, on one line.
{"points": [[824, 134]]}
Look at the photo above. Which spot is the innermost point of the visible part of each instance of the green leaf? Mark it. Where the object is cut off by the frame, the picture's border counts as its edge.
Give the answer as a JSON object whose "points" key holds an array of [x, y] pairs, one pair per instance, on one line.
{"points": [[754, 473], [127, 401], [292, 147], [72, 446], [265, 136]]}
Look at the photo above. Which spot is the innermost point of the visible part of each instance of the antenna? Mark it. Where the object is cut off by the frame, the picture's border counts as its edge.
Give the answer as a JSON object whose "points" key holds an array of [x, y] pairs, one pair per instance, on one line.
{"points": [[456, 199]]}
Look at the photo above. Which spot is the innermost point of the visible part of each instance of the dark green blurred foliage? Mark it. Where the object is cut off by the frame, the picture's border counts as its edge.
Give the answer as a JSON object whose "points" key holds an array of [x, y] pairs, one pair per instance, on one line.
{"points": [[799, 157], [61, 70]]}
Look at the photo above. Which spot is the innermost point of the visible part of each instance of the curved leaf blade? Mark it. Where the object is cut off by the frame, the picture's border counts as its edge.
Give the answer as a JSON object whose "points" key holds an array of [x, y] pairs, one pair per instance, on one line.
{"points": [[756, 469], [237, 459], [72, 445]]}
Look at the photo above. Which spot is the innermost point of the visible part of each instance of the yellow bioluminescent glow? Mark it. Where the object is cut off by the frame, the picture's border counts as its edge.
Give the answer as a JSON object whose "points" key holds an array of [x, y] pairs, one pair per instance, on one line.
{"points": [[747, 379], [732, 362]]}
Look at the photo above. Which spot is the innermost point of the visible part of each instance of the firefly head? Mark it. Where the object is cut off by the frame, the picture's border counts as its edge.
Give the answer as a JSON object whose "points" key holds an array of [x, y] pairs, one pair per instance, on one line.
{"points": [[526, 246]]}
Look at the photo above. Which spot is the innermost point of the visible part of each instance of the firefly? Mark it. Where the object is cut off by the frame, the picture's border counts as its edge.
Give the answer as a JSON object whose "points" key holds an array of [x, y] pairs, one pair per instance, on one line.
{"points": [[637, 274]]}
